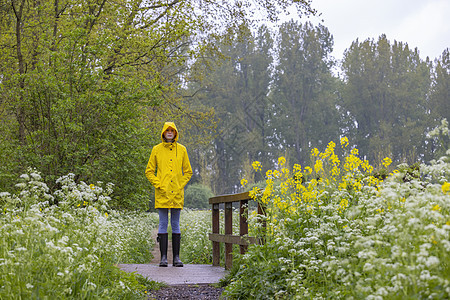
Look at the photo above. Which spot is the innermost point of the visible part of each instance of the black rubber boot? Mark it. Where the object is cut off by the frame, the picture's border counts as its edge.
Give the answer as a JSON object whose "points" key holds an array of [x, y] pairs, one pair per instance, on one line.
{"points": [[163, 241], [176, 239]]}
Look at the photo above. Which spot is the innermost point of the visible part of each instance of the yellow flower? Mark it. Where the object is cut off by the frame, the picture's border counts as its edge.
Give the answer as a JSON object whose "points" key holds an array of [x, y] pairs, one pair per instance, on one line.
{"points": [[386, 162], [344, 142], [256, 166], [331, 145], [343, 205], [281, 160], [437, 207], [285, 171], [244, 182], [106, 214], [276, 174], [335, 159], [92, 186], [253, 193], [318, 166], [314, 152], [343, 185], [366, 166], [308, 170], [446, 188], [354, 151]]}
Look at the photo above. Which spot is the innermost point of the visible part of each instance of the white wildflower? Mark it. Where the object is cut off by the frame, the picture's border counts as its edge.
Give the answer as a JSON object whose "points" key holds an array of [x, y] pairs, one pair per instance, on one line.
{"points": [[81, 268], [122, 285], [25, 177], [367, 267], [432, 261], [4, 194], [21, 185]]}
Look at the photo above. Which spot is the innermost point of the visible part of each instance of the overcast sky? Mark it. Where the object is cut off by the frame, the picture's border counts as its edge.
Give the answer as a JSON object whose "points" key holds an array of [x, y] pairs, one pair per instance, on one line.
{"points": [[424, 24]]}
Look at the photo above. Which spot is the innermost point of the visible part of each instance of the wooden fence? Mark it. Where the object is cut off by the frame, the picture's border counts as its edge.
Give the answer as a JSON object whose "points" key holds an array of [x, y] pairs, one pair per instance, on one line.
{"points": [[243, 240]]}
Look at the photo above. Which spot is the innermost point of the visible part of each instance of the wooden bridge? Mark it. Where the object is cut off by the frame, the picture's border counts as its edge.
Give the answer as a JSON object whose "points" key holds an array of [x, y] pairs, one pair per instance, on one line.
{"points": [[207, 274]]}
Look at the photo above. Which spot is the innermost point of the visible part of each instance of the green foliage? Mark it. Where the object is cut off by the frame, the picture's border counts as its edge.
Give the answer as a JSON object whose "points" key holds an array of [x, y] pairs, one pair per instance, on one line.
{"points": [[197, 196], [195, 228], [439, 140]]}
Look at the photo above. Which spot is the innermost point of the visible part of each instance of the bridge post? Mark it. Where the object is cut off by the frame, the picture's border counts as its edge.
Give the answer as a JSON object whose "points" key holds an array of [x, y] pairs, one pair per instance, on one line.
{"points": [[216, 229], [243, 225], [228, 231]]}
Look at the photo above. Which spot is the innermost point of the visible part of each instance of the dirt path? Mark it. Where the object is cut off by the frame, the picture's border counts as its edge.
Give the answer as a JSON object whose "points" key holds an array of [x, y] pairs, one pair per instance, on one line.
{"points": [[155, 251], [203, 292]]}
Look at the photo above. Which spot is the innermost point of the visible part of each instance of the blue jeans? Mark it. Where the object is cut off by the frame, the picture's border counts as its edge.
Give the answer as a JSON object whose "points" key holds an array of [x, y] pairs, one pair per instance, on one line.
{"points": [[164, 219]]}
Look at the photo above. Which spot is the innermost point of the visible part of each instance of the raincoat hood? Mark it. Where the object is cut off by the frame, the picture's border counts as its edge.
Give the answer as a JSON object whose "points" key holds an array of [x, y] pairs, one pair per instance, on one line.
{"points": [[167, 125]]}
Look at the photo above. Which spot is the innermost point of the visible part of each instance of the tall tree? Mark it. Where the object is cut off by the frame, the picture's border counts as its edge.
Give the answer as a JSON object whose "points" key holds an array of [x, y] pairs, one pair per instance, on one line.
{"points": [[440, 94], [236, 87], [305, 110], [440, 106], [386, 90]]}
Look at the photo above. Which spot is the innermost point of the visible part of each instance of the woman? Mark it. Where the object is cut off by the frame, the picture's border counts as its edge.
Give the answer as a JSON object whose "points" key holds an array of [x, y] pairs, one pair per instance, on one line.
{"points": [[170, 161]]}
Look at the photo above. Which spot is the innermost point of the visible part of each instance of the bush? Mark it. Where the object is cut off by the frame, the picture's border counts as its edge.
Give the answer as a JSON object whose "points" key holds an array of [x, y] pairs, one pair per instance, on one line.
{"points": [[197, 195], [65, 245]]}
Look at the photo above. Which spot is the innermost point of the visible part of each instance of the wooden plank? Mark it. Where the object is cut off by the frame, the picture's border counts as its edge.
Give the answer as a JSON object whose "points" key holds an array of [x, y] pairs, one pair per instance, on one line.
{"points": [[233, 239], [229, 198]]}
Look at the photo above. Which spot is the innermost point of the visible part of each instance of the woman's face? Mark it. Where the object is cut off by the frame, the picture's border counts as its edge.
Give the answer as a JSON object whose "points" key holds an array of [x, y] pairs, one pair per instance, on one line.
{"points": [[169, 134]]}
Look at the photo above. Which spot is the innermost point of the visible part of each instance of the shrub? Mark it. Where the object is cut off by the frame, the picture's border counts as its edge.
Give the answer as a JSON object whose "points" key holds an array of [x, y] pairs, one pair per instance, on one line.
{"points": [[65, 245], [197, 196]]}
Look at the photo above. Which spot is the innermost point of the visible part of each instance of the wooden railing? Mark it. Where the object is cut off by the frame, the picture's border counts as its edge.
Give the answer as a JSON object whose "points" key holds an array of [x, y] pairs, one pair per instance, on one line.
{"points": [[243, 240]]}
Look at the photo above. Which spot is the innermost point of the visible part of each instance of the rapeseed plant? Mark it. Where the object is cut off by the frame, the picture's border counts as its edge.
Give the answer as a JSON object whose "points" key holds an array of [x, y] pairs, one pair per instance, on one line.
{"points": [[335, 230]]}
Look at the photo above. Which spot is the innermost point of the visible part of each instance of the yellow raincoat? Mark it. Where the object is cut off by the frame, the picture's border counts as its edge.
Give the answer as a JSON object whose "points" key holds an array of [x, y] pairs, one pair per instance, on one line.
{"points": [[173, 170]]}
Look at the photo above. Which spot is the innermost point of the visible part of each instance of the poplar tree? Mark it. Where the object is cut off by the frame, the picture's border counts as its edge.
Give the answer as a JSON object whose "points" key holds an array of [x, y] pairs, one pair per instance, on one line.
{"points": [[305, 113], [236, 85], [385, 91]]}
